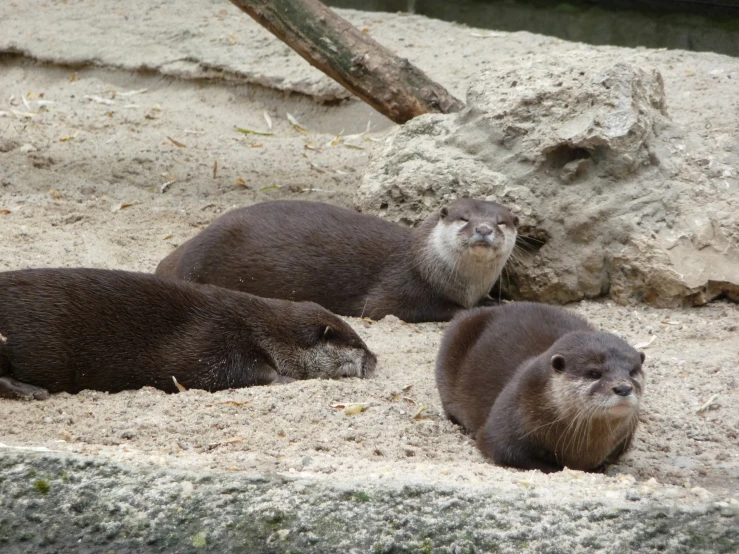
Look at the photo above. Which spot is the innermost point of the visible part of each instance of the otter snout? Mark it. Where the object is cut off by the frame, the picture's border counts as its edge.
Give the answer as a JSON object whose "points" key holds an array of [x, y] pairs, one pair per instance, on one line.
{"points": [[483, 235], [369, 365], [483, 230], [623, 389]]}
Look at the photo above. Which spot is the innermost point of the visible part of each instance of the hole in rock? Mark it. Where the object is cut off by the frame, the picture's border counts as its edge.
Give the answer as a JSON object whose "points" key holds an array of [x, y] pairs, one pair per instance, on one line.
{"points": [[563, 154]]}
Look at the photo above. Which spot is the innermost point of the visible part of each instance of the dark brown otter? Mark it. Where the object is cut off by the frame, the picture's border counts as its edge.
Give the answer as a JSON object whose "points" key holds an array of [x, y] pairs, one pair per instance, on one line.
{"points": [[539, 387], [353, 264], [74, 329]]}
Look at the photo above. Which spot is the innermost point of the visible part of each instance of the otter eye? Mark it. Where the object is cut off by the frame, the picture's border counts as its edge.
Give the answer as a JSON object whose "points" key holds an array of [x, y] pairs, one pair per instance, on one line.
{"points": [[634, 372], [328, 333], [595, 375], [463, 218]]}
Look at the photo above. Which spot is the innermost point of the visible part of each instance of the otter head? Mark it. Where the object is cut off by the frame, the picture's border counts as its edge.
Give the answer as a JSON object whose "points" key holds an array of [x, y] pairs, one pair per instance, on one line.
{"points": [[468, 246], [315, 343], [596, 374], [485, 230]]}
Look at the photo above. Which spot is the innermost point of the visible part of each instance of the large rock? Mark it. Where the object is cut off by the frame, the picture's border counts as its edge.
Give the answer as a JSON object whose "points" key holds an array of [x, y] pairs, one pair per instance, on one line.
{"points": [[616, 199]]}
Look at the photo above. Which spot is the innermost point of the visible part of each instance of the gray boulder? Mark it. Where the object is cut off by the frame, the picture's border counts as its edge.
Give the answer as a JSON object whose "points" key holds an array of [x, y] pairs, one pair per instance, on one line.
{"points": [[614, 198]]}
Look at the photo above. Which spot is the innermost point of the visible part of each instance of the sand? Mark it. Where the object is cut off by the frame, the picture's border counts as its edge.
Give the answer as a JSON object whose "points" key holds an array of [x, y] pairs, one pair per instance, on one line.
{"points": [[114, 169]]}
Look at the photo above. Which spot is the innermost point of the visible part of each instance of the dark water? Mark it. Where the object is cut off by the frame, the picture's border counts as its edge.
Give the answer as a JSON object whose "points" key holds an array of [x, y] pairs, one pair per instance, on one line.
{"points": [[699, 25]]}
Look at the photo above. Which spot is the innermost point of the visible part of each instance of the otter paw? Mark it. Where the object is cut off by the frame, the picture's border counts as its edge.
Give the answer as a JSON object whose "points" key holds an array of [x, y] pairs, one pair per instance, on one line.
{"points": [[488, 301], [40, 394], [283, 380], [12, 388]]}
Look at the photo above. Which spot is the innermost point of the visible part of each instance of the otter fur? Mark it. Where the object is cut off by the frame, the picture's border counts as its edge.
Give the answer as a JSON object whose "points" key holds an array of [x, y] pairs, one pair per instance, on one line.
{"points": [[539, 388], [351, 263], [74, 329]]}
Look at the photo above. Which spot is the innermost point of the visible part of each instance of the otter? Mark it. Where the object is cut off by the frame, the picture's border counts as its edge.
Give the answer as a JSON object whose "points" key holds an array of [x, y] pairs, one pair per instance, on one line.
{"points": [[66, 330], [539, 387], [351, 263]]}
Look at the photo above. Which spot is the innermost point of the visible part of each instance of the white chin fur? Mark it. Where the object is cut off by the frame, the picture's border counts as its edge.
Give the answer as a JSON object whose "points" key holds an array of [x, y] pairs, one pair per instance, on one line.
{"points": [[351, 369], [622, 405], [464, 272], [444, 241], [483, 253]]}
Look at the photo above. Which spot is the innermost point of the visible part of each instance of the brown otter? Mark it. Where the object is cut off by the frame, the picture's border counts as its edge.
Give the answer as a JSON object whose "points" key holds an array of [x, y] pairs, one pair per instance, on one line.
{"points": [[539, 387], [353, 264], [74, 329]]}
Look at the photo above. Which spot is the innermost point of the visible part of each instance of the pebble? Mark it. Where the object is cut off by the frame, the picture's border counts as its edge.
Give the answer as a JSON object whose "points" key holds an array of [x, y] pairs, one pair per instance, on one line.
{"points": [[65, 435], [701, 493], [187, 488]]}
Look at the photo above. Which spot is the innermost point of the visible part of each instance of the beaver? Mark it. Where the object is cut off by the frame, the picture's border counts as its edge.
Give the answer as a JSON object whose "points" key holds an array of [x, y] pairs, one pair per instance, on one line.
{"points": [[65, 330], [351, 263], [539, 388]]}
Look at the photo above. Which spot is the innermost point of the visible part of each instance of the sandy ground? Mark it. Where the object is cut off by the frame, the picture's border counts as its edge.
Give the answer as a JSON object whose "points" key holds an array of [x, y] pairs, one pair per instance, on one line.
{"points": [[105, 174]]}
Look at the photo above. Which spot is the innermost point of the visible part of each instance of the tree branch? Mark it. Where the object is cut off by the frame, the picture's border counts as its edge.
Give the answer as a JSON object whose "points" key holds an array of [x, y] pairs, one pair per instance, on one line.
{"points": [[390, 84]]}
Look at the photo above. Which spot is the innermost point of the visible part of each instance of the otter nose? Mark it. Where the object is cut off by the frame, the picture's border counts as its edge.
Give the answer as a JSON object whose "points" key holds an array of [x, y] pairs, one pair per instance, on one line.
{"points": [[483, 230], [623, 390]]}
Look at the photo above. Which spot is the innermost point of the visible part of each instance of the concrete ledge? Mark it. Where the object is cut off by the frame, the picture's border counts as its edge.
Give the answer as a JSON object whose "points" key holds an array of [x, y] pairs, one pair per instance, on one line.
{"points": [[61, 503]]}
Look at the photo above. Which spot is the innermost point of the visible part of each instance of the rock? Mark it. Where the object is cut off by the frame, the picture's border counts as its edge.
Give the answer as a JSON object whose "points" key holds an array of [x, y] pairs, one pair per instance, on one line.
{"points": [[114, 507], [702, 493], [65, 435], [187, 488], [8, 144], [613, 197]]}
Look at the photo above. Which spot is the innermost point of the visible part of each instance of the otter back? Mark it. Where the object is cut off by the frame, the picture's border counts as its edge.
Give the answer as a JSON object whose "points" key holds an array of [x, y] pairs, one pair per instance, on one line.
{"points": [[74, 329], [539, 387]]}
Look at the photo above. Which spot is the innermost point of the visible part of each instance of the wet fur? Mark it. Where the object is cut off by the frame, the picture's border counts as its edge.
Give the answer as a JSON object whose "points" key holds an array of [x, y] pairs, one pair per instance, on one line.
{"points": [[74, 329], [352, 264], [496, 378]]}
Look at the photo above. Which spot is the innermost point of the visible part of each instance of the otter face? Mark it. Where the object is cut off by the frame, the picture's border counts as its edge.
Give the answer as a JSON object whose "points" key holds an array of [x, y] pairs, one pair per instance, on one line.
{"points": [[321, 345], [485, 229], [597, 372], [467, 248]]}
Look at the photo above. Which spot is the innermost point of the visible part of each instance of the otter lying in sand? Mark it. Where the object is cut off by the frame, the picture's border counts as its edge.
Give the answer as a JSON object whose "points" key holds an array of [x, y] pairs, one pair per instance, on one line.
{"points": [[539, 387], [350, 263], [74, 329]]}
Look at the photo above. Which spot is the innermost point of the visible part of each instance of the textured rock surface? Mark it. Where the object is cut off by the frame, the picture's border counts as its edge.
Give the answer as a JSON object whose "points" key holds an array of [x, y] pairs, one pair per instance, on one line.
{"points": [[582, 148], [61, 503], [212, 39]]}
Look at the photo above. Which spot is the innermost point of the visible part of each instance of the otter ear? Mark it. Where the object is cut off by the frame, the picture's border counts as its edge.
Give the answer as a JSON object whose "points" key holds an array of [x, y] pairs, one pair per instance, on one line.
{"points": [[642, 356], [515, 221], [443, 212], [558, 362]]}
